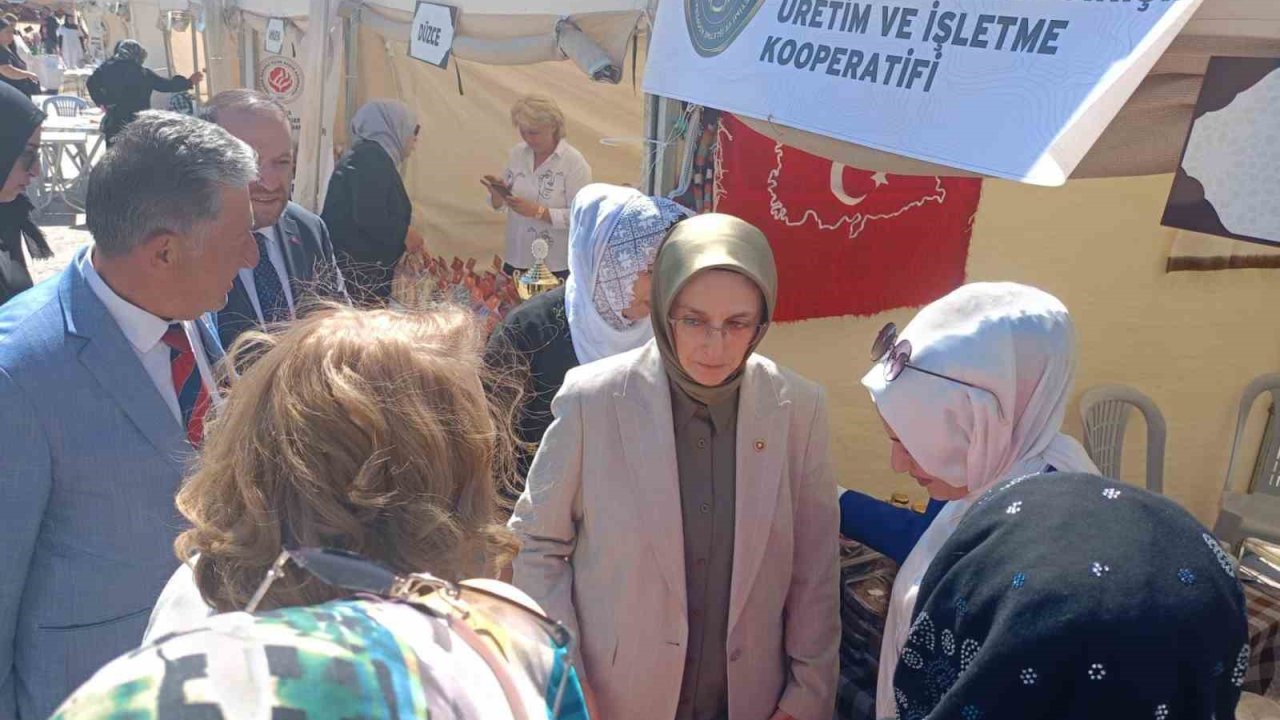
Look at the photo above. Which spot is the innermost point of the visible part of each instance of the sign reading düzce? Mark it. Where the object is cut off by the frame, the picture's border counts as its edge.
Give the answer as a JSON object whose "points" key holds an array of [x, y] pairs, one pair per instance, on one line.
{"points": [[431, 34], [1011, 88]]}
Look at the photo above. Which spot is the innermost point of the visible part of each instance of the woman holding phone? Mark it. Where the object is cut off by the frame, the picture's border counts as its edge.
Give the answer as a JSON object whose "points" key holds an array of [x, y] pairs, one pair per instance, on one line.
{"points": [[544, 173]]}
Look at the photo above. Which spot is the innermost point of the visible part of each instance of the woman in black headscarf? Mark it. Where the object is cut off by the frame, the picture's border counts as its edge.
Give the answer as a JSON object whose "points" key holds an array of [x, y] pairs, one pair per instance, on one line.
{"points": [[123, 86], [19, 165], [1073, 597], [13, 70]]}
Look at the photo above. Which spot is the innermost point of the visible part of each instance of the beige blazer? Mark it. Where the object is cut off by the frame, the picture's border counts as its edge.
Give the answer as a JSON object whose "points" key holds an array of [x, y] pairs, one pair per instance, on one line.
{"points": [[603, 545]]}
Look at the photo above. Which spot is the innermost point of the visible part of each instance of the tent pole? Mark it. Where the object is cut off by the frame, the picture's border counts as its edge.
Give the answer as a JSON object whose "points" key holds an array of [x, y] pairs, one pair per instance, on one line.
{"points": [[650, 178], [353, 64], [248, 59], [661, 117]]}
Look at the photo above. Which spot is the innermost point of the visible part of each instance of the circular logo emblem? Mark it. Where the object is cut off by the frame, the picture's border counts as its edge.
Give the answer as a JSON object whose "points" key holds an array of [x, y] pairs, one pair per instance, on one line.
{"points": [[281, 78], [715, 24]]}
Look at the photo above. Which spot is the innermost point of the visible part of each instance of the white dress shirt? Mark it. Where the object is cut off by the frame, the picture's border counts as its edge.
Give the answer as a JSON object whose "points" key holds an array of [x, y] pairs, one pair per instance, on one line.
{"points": [[276, 255], [144, 332], [553, 184]]}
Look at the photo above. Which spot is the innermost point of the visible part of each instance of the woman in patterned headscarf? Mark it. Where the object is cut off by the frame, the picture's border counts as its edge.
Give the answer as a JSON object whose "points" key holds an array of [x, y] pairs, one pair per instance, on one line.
{"points": [[614, 234], [1068, 596]]}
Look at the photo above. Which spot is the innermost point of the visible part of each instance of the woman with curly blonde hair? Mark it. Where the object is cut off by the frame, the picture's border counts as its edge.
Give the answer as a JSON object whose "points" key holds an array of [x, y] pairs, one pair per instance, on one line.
{"points": [[544, 173], [364, 430]]}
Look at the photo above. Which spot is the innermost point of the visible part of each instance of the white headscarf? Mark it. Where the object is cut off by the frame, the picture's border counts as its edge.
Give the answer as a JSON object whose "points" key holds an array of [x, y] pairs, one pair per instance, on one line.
{"points": [[390, 123], [614, 234], [1013, 340]]}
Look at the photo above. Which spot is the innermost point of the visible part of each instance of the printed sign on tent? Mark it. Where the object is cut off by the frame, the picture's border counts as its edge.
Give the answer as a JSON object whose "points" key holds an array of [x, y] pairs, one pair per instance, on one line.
{"points": [[846, 241], [275, 35], [431, 35], [1008, 88]]}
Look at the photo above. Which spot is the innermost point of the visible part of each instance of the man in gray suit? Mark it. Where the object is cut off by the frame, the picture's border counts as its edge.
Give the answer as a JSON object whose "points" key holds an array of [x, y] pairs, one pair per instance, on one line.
{"points": [[294, 250], [105, 373]]}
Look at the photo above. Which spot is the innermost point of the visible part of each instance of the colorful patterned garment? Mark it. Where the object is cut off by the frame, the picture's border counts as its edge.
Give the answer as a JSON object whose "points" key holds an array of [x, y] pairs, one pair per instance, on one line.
{"points": [[363, 658]]}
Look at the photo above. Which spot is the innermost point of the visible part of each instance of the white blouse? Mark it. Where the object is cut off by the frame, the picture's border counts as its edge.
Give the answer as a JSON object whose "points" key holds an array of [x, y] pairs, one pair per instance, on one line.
{"points": [[553, 184], [180, 607]]}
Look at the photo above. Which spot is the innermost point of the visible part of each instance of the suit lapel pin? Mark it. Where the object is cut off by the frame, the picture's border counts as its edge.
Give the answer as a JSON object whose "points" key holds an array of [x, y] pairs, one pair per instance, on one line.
{"points": [[759, 446]]}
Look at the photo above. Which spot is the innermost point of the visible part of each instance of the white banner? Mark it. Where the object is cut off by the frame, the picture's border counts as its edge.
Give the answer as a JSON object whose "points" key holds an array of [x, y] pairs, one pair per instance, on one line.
{"points": [[1010, 88]]}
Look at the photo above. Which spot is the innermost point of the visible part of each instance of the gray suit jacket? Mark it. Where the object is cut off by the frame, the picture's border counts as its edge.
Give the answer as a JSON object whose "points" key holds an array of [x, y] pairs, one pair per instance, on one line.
{"points": [[309, 263], [90, 460]]}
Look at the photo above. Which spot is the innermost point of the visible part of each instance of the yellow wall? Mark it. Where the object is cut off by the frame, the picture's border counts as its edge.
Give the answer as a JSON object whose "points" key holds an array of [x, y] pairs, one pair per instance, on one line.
{"points": [[466, 136], [1191, 341]]}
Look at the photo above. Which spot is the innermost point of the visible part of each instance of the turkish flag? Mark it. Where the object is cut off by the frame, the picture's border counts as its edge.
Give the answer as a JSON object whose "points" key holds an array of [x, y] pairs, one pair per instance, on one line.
{"points": [[846, 241]]}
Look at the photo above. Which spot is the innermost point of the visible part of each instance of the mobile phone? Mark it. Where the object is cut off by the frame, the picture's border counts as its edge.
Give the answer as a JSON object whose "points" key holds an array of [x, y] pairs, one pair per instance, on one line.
{"points": [[498, 186]]}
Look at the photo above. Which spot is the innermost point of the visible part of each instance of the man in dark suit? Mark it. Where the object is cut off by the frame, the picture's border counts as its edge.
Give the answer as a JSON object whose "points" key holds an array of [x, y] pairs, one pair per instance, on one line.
{"points": [[105, 376], [295, 254]]}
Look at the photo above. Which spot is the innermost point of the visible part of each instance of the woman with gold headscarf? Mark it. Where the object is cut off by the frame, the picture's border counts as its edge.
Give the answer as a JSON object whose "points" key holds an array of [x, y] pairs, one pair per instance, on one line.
{"points": [[680, 515]]}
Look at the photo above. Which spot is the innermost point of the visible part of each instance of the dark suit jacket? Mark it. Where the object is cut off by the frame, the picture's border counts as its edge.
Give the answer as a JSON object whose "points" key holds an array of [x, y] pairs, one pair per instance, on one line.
{"points": [[368, 212], [308, 260]]}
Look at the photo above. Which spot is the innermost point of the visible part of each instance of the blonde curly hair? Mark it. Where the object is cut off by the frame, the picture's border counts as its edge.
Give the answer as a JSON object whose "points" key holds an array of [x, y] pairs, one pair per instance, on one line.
{"points": [[365, 430], [536, 111]]}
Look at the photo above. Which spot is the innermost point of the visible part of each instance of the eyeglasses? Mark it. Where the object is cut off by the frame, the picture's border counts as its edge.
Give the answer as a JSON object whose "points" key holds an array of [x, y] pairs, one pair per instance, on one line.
{"points": [[896, 357], [736, 330], [28, 159], [474, 614]]}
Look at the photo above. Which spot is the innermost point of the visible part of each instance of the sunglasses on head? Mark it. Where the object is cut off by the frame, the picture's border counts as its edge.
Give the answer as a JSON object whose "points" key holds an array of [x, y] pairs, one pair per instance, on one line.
{"points": [[895, 354], [463, 607]]}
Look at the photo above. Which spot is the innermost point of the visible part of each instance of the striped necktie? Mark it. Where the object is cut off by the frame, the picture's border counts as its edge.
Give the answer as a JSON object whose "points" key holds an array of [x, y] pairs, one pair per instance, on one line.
{"points": [[271, 297], [193, 397]]}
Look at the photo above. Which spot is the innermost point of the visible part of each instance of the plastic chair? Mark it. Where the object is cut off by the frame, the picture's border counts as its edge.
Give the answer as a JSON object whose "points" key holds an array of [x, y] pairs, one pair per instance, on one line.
{"points": [[1105, 410], [1250, 514], [65, 105]]}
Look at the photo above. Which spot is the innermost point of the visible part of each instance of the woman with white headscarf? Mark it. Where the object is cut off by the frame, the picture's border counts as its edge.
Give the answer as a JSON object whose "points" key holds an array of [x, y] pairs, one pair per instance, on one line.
{"points": [[601, 310], [367, 208], [972, 393]]}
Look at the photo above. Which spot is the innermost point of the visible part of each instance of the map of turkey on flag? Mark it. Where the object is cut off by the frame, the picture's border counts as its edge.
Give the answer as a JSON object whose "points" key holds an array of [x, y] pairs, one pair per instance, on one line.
{"points": [[846, 241]]}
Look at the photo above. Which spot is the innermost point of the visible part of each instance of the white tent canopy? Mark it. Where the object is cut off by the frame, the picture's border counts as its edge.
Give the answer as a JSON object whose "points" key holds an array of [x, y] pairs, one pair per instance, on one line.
{"points": [[1144, 138], [496, 32]]}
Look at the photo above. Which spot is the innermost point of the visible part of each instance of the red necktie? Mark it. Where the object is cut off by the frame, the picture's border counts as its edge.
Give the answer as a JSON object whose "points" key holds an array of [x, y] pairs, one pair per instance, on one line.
{"points": [[193, 398]]}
